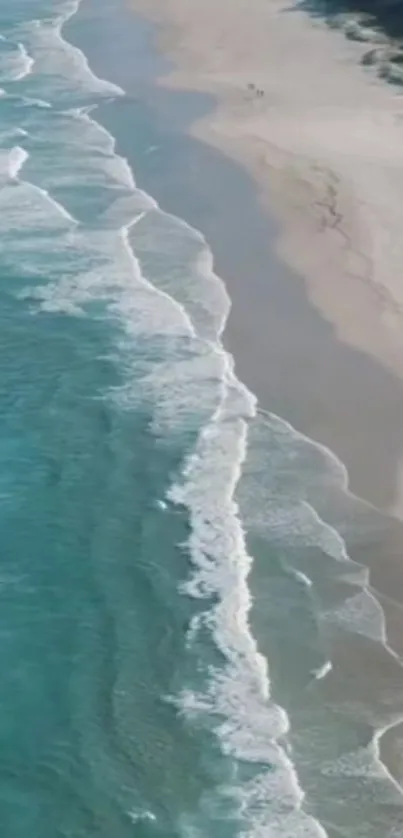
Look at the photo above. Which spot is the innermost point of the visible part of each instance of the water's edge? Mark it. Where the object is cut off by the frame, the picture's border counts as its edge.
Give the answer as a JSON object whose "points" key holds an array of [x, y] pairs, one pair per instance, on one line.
{"points": [[308, 376], [180, 191]]}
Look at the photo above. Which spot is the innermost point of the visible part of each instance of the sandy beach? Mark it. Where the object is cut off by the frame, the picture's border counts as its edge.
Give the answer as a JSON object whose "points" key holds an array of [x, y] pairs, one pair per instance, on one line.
{"points": [[323, 138], [304, 234]]}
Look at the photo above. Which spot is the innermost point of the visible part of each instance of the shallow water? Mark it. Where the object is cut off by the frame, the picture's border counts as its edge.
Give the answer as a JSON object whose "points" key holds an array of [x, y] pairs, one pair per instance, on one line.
{"points": [[138, 484]]}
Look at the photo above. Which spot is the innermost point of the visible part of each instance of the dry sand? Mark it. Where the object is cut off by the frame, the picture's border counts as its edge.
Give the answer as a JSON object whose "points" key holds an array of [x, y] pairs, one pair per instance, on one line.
{"points": [[325, 143]]}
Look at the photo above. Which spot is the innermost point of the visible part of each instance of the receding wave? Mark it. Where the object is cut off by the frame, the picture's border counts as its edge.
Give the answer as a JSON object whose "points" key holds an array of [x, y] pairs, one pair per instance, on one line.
{"points": [[302, 490]]}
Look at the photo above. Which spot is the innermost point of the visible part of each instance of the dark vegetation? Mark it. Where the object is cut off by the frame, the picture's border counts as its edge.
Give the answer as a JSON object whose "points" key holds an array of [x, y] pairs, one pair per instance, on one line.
{"points": [[376, 22], [386, 15]]}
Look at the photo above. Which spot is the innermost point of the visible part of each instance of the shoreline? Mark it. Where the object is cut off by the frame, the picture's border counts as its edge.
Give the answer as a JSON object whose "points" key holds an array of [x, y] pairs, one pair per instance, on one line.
{"points": [[287, 336], [329, 233], [273, 331], [272, 322], [299, 164]]}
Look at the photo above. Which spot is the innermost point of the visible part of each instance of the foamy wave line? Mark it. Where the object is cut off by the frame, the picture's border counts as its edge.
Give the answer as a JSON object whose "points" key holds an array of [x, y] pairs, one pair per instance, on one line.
{"points": [[251, 724], [219, 306], [70, 10], [19, 66], [12, 162], [358, 604], [125, 234], [137, 817], [28, 63], [331, 540], [129, 180], [17, 158], [222, 565], [365, 762], [218, 309], [322, 671], [239, 696], [43, 36], [229, 622], [335, 546], [232, 613], [58, 206], [336, 465], [360, 613]]}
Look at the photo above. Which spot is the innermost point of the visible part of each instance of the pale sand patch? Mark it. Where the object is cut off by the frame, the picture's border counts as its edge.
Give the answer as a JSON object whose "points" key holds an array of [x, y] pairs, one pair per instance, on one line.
{"points": [[325, 143]]}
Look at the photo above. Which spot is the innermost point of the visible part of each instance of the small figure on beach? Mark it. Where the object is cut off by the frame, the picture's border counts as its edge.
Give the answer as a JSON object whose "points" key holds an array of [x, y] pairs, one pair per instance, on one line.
{"points": [[257, 90]]}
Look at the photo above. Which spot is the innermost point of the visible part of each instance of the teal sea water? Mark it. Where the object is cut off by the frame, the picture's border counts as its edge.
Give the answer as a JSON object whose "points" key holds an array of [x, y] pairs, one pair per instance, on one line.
{"points": [[139, 694]]}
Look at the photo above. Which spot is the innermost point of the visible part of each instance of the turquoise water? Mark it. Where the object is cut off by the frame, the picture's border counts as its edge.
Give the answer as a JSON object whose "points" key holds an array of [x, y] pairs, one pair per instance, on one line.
{"points": [[137, 484]]}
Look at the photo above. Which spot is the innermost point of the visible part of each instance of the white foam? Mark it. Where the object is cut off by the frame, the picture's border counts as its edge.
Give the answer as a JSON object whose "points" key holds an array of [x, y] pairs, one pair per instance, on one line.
{"points": [[187, 259], [195, 625], [135, 817], [11, 163], [238, 694], [100, 137], [39, 103], [281, 472], [237, 700], [383, 770], [61, 65], [361, 614], [365, 764], [15, 62], [45, 209], [302, 577], [173, 305], [322, 671], [61, 210], [184, 270], [358, 763], [17, 158], [27, 63], [85, 153]]}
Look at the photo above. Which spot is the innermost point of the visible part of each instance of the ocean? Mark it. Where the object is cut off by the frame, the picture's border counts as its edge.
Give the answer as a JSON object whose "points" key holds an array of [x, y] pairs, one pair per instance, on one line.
{"points": [[176, 587]]}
